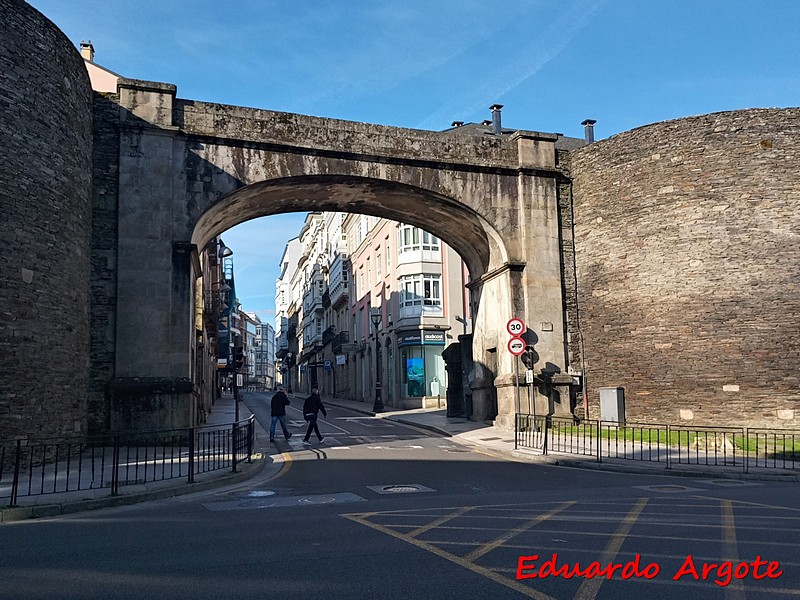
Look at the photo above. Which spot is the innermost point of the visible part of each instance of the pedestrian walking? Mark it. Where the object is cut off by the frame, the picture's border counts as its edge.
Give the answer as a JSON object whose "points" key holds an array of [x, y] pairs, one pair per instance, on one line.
{"points": [[279, 403], [311, 408]]}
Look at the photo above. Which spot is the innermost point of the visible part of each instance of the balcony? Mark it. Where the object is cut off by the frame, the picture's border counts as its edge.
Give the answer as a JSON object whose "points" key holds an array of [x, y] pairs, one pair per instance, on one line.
{"points": [[328, 335], [341, 338], [312, 303], [340, 294]]}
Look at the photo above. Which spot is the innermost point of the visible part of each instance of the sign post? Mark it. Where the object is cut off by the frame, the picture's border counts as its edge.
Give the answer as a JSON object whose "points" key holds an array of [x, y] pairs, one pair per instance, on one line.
{"points": [[516, 345]]}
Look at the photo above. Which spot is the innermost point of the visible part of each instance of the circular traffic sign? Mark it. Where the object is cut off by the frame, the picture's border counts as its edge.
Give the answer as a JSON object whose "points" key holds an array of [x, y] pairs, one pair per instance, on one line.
{"points": [[516, 346], [516, 327]]}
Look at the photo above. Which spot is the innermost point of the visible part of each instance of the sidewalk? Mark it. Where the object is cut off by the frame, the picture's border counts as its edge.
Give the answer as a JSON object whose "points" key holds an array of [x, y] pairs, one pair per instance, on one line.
{"points": [[62, 503]]}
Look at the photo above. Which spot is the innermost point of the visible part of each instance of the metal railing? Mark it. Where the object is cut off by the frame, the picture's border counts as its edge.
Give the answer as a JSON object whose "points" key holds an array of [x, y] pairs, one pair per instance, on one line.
{"points": [[110, 462], [737, 448]]}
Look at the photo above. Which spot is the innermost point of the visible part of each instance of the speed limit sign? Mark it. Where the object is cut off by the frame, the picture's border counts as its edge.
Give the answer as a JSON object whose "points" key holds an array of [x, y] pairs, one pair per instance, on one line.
{"points": [[516, 346], [516, 327]]}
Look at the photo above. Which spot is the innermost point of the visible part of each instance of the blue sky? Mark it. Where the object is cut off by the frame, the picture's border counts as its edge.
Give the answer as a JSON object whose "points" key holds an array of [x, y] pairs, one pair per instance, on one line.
{"points": [[425, 63]]}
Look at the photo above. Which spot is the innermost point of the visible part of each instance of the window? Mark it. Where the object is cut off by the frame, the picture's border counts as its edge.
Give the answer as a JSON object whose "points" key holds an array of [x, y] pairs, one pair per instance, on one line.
{"points": [[388, 259], [409, 239], [378, 266], [413, 239], [420, 293], [429, 241]]}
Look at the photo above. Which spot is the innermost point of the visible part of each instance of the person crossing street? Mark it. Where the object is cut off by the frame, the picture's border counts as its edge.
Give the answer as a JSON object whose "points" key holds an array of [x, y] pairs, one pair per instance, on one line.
{"points": [[311, 408], [279, 403]]}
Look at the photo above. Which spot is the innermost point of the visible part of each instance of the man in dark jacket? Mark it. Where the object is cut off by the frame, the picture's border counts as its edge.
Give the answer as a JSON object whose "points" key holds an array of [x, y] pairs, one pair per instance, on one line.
{"points": [[311, 408], [279, 403]]}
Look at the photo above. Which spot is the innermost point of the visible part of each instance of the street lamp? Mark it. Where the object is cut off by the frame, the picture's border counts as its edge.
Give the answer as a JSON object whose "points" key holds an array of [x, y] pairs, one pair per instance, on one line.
{"points": [[288, 381], [224, 251], [375, 315]]}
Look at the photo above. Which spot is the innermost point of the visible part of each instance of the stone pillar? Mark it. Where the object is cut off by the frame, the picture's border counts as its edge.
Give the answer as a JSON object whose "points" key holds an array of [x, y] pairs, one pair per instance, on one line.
{"points": [[154, 369]]}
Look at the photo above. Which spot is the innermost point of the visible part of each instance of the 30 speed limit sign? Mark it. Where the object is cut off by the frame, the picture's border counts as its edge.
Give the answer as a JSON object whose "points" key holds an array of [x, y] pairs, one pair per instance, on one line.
{"points": [[516, 346], [516, 327]]}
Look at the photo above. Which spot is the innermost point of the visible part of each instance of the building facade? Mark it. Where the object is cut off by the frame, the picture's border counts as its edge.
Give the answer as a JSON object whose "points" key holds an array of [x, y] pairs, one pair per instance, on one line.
{"points": [[354, 271]]}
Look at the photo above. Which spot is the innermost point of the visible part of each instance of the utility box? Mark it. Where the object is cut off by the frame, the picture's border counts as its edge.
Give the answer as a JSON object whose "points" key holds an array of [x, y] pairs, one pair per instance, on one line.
{"points": [[612, 404]]}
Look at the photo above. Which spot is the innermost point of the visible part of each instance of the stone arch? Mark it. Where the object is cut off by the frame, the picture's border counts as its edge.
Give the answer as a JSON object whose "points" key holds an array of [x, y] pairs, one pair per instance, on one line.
{"points": [[469, 234]]}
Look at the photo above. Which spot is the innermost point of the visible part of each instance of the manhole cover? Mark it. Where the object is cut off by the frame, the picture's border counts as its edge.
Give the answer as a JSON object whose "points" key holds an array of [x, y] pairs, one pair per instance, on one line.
{"points": [[258, 494], [667, 488], [400, 489], [405, 488], [316, 500]]}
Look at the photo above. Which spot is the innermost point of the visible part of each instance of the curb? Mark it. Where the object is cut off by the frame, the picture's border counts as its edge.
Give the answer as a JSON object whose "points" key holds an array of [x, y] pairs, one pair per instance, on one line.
{"points": [[21, 513]]}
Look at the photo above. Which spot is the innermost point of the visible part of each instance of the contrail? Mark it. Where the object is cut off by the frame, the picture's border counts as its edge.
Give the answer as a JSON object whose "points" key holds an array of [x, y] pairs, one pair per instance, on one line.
{"points": [[494, 86]]}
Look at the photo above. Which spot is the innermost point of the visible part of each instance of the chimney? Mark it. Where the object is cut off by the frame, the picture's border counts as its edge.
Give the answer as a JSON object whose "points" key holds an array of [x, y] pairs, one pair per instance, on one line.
{"points": [[497, 127], [588, 126], [87, 51]]}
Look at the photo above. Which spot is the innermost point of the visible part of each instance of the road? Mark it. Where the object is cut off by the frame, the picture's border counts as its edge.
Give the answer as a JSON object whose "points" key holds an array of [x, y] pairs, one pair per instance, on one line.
{"points": [[382, 510]]}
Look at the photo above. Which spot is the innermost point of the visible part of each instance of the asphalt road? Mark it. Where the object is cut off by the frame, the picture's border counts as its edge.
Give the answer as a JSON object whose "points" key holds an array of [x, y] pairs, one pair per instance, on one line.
{"points": [[381, 510]]}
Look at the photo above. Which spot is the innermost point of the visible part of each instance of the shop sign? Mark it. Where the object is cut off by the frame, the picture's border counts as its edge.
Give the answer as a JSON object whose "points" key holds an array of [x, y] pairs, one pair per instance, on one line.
{"points": [[418, 338]]}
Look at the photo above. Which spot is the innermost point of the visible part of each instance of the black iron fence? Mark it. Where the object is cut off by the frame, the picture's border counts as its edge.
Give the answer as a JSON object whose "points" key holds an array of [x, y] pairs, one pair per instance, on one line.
{"points": [[110, 462], [732, 447]]}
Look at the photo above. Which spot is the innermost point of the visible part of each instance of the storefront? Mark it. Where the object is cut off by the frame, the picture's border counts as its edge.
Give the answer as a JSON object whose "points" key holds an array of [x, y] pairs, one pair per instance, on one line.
{"points": [[421, 364]]}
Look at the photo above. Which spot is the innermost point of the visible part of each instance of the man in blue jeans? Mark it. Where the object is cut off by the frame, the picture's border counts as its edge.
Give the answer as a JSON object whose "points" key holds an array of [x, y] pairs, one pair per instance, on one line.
{"points": [[279, 403]]}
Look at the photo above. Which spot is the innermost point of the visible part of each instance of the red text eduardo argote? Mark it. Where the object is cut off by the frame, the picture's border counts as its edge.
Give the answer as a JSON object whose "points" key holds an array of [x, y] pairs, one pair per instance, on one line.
{"points": [[722, 573]]}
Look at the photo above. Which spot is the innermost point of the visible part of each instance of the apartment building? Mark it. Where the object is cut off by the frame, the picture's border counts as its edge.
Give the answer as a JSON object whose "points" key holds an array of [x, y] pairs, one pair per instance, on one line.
{"points": [[286, 315], [352, 267]]}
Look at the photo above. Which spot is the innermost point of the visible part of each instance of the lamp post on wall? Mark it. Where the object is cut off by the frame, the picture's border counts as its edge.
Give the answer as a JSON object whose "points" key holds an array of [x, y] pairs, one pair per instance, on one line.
{"points": [[375, 315], [288, 381], [226, 255]]}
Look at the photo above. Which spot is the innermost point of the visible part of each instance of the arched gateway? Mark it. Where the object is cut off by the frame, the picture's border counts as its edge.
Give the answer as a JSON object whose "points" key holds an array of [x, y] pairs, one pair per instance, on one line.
{"points": [[188, 171]]}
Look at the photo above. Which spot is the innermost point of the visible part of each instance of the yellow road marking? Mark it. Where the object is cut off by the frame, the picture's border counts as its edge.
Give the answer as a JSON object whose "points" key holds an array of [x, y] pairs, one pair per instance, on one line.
{"points": [[744, 502], [478, 552], [590, 587], [285, 466], [735, 590], [439, 521], [510, 583]]}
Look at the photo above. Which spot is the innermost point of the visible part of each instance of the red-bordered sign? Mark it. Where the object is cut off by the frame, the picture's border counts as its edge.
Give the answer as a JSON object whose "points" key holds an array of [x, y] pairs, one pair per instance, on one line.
{"points": [[516, 346], [516, 327]]}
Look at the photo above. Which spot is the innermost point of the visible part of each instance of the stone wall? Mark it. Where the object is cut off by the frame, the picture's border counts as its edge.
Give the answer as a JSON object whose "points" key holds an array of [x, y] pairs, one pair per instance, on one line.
{"points": [[688, 264], [46, 133], [105, 196]]}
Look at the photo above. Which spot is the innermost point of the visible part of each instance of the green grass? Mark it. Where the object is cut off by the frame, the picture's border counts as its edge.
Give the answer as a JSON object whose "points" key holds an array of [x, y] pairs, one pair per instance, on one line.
{"points": [[786, 446]]}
